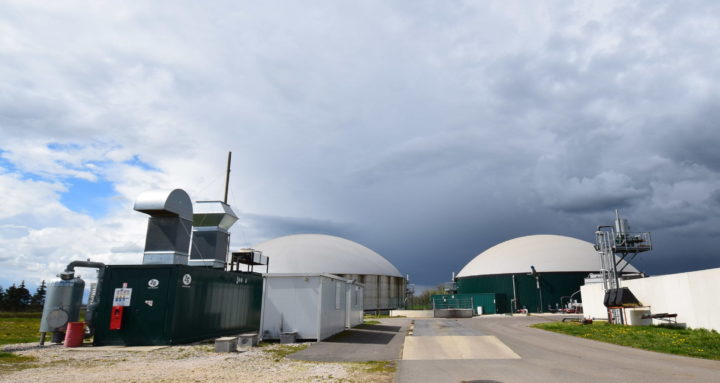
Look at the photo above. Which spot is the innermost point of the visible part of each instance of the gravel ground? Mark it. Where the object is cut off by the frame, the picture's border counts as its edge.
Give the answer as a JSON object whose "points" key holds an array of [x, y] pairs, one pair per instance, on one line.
{"points": [[197, 363]]}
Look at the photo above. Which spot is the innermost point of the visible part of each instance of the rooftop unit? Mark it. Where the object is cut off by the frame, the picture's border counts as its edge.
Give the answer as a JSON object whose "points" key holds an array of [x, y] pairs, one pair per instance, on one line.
{"points": [[168, 233], [211, 238]]}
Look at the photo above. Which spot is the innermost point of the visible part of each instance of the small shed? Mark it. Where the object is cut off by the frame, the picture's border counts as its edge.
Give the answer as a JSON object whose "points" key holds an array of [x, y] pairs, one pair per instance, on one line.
{"points": [[314, 306]]}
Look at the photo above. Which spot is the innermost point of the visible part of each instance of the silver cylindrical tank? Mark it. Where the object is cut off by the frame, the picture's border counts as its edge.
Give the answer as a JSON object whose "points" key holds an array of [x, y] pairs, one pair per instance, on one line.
{"points": [[392, 293], [370, 299], [384, 289], [381, 292], [62, 304]]}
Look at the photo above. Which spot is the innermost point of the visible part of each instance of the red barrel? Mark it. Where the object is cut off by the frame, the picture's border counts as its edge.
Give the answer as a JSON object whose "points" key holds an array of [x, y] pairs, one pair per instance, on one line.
{"points": [[74, 335]]}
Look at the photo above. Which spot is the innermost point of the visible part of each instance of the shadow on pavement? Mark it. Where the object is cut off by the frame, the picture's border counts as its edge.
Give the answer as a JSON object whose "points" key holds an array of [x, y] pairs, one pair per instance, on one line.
{"points": [[377, 327], [361, 337]]}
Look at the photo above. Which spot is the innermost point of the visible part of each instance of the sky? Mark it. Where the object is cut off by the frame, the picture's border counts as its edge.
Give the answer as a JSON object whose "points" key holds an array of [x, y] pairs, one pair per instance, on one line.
{"points": [[428, 131]]}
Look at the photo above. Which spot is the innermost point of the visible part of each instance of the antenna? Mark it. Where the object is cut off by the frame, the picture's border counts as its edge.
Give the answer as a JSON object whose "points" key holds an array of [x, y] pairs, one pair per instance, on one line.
{"points": [[227, 176]]}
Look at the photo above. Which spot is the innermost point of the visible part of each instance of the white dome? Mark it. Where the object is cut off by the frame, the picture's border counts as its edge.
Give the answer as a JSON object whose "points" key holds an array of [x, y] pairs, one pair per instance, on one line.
{"points": [[548, 253], [319, 253]]}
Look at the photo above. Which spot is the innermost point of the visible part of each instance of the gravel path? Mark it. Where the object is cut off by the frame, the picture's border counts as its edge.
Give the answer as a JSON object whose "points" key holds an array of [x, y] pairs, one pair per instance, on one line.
{"points": [[196, 363]]}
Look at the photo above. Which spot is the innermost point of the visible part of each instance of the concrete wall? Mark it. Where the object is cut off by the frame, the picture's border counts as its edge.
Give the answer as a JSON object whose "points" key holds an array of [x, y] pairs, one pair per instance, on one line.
{"points": [[412, 313], [693, 296]]}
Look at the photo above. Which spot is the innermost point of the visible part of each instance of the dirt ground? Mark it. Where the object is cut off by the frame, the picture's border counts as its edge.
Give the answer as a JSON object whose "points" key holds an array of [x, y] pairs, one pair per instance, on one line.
{"points": [[197, 363]]}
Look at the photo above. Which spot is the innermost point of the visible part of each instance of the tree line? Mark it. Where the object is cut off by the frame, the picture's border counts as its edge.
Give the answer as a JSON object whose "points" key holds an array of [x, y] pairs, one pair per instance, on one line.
{"points": [[18, 298]]}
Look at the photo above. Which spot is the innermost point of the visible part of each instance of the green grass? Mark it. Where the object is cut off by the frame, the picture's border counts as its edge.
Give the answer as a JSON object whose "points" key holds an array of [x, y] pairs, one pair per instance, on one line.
{"points": [[12, 362], [371, 322], [382, 366], [698, 343], [19, 327], [382, 316], [20, 314], [280, 351]]}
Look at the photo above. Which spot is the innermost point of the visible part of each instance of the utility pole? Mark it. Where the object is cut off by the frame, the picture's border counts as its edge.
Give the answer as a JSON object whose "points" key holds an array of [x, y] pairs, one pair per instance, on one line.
{"points": [[227, 176]]}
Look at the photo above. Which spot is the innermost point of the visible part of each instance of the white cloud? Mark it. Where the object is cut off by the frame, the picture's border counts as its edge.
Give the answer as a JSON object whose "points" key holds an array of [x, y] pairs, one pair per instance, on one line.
{"points": [[390, 118]]}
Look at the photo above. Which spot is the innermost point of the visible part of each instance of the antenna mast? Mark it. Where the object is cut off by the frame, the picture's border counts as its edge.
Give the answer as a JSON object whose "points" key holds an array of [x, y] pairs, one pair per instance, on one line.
{"points": [[227, 176], [618, 246]]}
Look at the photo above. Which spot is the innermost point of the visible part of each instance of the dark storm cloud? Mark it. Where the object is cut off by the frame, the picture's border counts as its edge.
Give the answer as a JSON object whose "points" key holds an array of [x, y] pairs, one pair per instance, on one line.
{"points": [[427, 131], [267, 227]]}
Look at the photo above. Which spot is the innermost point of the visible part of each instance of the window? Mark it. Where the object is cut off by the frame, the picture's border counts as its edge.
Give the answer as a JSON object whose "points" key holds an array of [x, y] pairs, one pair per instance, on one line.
{"points": [[338, 289]]}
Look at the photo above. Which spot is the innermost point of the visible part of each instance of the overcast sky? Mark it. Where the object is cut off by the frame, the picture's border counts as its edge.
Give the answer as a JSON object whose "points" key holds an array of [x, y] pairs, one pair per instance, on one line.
{"points": [[428, 131]]}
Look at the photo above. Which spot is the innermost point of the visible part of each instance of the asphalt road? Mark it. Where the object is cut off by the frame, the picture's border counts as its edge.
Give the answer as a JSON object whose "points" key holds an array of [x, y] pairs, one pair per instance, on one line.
{"points": [[360, 344], [543, 356]]}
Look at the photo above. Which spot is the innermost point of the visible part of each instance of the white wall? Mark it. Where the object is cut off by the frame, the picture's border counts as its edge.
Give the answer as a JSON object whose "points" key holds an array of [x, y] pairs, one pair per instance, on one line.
{"points": [[693, 296], [354, 300], [333, 306], [293, 303], [413, 313], [592, 300]]}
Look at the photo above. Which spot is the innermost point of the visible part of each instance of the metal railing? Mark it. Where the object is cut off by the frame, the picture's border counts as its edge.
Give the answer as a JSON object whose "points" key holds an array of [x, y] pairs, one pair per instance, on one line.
{"points": [[453, 303]]}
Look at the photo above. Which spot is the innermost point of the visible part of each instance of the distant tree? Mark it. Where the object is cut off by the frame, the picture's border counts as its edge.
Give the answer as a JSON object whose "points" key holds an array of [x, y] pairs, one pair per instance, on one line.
{"points": [[17, 298], [424, 298], [24, 296], [10, 301], [2, 298], [38, 299]]}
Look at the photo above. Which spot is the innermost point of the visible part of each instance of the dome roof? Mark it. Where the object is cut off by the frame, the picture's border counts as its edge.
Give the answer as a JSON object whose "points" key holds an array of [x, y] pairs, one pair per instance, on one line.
{"points": [[548, 253], [319, 253]]}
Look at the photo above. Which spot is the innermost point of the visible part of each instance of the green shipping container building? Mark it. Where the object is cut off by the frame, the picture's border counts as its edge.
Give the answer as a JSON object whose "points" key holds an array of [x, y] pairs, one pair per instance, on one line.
{"points": [[175, 304], [562, 264]]}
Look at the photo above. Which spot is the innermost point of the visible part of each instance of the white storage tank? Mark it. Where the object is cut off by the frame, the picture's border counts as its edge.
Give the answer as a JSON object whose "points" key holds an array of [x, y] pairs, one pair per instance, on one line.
{"points": [[314, 306]]}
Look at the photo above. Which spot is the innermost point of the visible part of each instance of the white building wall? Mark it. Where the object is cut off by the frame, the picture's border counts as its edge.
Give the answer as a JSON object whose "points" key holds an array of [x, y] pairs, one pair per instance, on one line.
{"points": [[693, 296], [290, 304], [333, 306], [354, 300]]}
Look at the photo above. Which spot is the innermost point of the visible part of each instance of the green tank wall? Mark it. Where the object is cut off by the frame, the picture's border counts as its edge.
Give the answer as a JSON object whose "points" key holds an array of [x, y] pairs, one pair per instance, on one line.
{"points": [[552, 285], [175, 304]]}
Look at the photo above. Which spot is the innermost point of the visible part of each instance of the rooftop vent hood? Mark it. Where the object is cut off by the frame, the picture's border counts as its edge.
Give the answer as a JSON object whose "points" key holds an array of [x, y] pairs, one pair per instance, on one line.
{"points": [[211, 238], [169, 225]]}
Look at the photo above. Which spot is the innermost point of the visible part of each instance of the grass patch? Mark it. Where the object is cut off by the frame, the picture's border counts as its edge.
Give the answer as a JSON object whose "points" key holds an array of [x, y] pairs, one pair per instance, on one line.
{"points": [[383, 316], [280, 351], [371, 322], [378, 367], [698, 343], [19, 327], [21, 314], [12, 362]]}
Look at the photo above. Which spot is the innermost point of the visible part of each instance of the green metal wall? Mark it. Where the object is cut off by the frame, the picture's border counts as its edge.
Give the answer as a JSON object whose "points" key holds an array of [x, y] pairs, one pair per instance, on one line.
{"points": [[214, 303], [553, 286]]}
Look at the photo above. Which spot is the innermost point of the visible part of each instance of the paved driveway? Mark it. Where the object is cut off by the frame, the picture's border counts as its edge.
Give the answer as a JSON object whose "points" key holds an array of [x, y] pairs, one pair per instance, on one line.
{"points": [[360, 344], [504, 349]]}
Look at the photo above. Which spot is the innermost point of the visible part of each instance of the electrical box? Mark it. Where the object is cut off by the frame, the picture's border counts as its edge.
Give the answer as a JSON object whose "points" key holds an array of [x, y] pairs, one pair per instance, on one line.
{"points": [[116, 317]]}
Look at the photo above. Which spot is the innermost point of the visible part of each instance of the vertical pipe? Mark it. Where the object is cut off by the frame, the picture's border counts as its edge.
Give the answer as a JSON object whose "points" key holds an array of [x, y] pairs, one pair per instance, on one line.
{"points": [[227, 176], [514, 294]]}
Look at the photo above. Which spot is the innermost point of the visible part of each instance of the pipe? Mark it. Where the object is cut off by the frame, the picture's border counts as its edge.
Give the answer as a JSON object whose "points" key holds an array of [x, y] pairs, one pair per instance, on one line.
{"points": [[514, 294], [69, 273]]}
